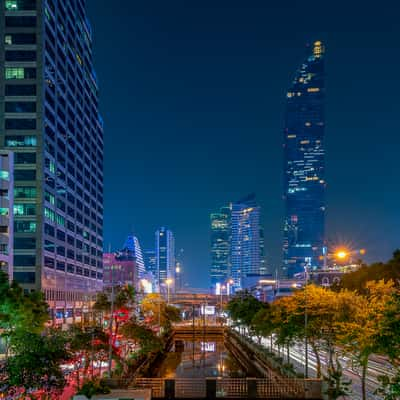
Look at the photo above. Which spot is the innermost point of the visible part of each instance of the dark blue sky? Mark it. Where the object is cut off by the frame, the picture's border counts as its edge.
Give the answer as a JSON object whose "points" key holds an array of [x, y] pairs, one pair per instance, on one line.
{"points": [[192, 94]]}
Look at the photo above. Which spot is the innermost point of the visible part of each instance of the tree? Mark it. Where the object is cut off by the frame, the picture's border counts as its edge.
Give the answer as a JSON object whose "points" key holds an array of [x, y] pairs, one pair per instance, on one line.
{"points": [[102, 305], [389, 342], [325, 310], [243, 307], [144, 337], [357, 280], [20, 311], [93, 387], [86, 345], [157, 312], [360, 336], [36, 361]]}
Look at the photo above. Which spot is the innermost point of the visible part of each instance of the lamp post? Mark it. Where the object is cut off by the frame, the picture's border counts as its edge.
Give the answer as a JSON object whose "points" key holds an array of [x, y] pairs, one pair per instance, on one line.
{"points": [[113, 268], [228, 288], [222, 288], [308, 262], [168, 282]]}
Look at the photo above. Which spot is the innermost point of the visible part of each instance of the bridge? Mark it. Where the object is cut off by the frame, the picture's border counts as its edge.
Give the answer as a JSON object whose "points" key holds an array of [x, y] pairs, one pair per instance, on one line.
{"points": [[198, 299]]}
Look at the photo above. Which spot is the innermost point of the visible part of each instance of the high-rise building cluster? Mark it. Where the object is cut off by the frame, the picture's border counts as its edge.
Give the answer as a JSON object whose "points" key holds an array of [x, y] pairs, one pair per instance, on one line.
{"points": [[51, 173], [50, 120], [237, 244], [237, 239], [155, 267]]}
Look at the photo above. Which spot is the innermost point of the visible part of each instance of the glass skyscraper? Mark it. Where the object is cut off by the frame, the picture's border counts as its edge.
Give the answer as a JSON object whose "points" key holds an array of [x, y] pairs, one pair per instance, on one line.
{"points": [[50, 119], [165, 255], [220, 246], [247, 246], [304, 166]]}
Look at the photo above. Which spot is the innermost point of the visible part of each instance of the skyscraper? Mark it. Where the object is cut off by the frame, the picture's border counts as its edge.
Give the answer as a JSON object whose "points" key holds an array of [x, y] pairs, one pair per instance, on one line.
{"points": [[49, 118], [133, 249], [246, 244], [125, 266], [220, 246], [165, 255], [304, 165], [150, 263]]}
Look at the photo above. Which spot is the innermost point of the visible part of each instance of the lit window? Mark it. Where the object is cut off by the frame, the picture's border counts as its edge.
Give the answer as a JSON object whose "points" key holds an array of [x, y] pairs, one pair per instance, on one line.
{"points": [[4, 211], [20, 141], [15, 73], [49, 214], [313, 89], [11, 5], [5, 175], [8, 39]]}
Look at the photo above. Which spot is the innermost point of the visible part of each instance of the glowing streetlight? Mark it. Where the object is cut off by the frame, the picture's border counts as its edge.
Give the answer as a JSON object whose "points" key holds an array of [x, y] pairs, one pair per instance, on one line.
{"points": [[342, 254], [168, 282]]}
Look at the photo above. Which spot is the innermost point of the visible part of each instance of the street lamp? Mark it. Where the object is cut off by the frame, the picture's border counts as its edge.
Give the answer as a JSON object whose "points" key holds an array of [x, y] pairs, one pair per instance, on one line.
{"points": [[308, 264], [341, 254], [223, 287], [168, 282]]}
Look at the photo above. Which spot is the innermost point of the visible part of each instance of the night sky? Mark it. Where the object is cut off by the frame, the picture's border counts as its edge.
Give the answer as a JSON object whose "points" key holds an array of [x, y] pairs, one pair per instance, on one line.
{"points": [[192, 94]]}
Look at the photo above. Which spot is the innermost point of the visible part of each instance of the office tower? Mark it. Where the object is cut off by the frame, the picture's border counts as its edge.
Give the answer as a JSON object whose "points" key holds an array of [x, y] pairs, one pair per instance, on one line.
{"points": [[119, 269], [263, 264], [133, 250], [304, 166], [7, 212], [220, 246], [50, 119], [125, 266], [165, 255], [246, 243], [150, 263]]}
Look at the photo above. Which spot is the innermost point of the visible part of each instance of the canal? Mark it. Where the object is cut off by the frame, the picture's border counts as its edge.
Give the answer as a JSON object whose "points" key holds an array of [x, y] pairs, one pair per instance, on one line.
{"points": [[203, 356]]}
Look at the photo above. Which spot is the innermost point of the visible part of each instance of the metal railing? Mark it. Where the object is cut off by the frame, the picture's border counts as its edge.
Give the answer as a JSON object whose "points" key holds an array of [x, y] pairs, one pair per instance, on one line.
{"points": [[265, 388], [188, 388], [157, 386]]}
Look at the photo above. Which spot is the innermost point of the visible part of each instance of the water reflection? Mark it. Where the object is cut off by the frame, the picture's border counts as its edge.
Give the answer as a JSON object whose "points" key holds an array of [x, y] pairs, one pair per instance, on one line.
{"points": [[200, 359]]}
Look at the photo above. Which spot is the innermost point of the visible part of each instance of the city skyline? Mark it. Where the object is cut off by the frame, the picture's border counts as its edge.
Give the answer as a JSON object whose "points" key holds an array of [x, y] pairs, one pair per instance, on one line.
{"points": [[222, 98]]}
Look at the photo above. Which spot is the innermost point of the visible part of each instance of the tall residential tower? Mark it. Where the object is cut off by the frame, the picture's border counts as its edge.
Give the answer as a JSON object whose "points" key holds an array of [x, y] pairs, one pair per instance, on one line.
{"points": [[304, 166], [49, 118]]}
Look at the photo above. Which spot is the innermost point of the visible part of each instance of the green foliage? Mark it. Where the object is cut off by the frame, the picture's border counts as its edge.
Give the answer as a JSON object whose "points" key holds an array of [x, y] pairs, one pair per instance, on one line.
{"points": [[337, 386], [36, 361], [357, 280], [243, 307], [156, 310], [143, 336], [103, 303], [19, 310], [390, 387], [125, 297], [262, 322], [94, 387]]}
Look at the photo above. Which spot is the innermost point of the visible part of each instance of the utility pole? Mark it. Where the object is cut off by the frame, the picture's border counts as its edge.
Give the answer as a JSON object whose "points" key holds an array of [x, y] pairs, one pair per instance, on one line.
{"points": [[111, 322]]}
